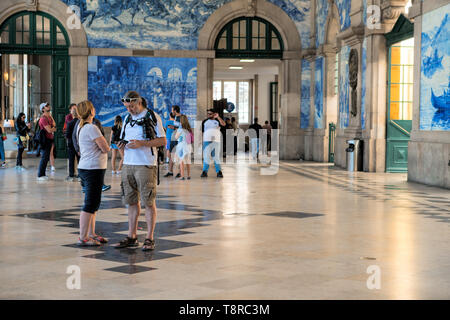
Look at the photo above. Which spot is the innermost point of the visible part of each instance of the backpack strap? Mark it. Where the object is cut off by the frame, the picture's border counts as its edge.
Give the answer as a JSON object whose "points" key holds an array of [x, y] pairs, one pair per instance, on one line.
{"points": [[127, 121]]}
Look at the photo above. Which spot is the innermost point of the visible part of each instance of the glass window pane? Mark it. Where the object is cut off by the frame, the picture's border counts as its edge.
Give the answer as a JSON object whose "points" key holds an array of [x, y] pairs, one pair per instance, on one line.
{"points": [[217, 90], [243, 45], [4, 38], [262, 44], [395, 92], [254, 28], [255, 44], [222, 43], [235, 29], [243, 105], [26, 38], [19, 23], [46, 24], [18, 37], [26, 23], [235, 43], [395, 111], [47, 38], [275, 44], [39, 38], [243, 30], [407, 92], [409, 74], [262, 30], [39, 23], [395, 74], [229, 91]]}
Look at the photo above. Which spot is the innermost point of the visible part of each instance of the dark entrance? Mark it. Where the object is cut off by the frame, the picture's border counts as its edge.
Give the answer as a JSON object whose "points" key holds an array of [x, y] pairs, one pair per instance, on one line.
{"points": [[34, 50]]}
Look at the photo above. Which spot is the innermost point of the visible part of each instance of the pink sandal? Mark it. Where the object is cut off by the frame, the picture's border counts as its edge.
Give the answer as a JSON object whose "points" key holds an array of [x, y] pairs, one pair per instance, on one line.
{"points": [[100, 239]]}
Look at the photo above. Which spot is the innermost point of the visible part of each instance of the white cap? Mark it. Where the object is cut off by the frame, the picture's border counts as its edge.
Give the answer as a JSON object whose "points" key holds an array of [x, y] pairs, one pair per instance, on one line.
{"points": [[42, 105]]}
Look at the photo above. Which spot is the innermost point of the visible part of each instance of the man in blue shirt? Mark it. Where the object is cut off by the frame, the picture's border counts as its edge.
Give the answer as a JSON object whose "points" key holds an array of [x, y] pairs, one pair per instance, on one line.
{"points": [[174, 125]]}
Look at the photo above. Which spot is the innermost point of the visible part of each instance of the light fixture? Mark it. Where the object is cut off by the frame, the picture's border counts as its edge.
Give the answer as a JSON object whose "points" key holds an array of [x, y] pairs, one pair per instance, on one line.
{"points": [[6, 76], [247, 60], [235, 67]]}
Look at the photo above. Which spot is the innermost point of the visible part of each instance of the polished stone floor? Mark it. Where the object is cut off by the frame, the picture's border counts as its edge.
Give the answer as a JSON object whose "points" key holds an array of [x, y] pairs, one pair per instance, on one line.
{"points": [[311, 231]]}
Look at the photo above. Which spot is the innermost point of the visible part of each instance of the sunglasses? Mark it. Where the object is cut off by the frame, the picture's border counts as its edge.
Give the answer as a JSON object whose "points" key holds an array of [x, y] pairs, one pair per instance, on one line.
{"points": [[128, 100]]}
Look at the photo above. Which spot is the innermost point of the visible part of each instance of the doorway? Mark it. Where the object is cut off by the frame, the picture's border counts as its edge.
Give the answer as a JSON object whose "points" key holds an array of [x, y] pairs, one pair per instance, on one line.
{"points": [[35, 69]]}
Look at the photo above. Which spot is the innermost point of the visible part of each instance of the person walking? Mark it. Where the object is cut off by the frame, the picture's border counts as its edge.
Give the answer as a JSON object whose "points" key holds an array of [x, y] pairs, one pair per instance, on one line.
{"points": [[71, 152], [114, 139], [48, 127], [183, 151], [2, 147], [211, 142], [169, 130], [22, 130], [255, 139], [268, 129], [92, 167], [142, 133], [173, 142]]}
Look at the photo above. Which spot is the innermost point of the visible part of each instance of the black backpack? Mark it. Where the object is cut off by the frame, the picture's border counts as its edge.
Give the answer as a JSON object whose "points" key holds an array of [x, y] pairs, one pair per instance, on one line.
{"points": [[150, 115], [40, 137]]}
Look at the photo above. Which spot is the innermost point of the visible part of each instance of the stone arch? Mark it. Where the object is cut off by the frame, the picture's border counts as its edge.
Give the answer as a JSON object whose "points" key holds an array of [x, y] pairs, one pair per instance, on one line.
{"points": [[239, 8], [333, 27], [57, 9]]}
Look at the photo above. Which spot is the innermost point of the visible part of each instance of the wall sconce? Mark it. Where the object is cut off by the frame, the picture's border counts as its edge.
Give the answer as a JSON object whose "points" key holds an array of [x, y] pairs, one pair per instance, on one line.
{"points": [[6, 76]]}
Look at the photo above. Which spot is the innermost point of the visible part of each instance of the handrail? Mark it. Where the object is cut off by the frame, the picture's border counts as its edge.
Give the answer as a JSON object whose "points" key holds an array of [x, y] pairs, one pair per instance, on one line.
{"points": [[400, 127]]}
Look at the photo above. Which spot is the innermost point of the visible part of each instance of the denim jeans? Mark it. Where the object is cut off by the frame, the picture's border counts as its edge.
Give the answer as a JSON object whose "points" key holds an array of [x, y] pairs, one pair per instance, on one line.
{"points": [[2, 150], [211, 148], [20, 149], [45, 158]]}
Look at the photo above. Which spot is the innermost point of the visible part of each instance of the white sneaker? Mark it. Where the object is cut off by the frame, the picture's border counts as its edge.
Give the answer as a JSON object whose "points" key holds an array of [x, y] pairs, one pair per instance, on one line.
{"points": [[43, 178], [118, 172], [53, 169], [113, 172]]}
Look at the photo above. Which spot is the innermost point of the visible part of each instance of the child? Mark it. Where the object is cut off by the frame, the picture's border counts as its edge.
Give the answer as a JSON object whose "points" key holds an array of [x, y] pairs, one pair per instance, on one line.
{"points": [[183, 151]]}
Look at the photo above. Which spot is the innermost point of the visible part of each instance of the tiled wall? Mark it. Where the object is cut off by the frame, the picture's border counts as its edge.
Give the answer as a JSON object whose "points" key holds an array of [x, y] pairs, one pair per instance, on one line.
{"points": [[344, 88], [305, 102], [435, 77], [162, 81], [318, 93]]}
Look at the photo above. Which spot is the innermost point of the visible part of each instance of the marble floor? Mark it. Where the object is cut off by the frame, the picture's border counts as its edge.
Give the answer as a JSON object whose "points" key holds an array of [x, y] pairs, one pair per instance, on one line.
{"points": [[311, 231]]}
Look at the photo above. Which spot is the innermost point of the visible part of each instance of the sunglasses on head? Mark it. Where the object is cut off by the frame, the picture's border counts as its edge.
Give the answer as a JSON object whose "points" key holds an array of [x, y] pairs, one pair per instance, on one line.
{"points": [[129, 99]]}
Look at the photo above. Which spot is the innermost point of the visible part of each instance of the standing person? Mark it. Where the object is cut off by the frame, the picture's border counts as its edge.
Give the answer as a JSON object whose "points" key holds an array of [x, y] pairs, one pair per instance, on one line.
{"points": [[2, 147], [255, 141], [70, 116], [114, 139], [183, 151], [268, 127], [173, 142], [22, 130], [48, 127], [168, 127], [93, 162], [211, 142], [142, 133], [235, 133], [71, 152]]}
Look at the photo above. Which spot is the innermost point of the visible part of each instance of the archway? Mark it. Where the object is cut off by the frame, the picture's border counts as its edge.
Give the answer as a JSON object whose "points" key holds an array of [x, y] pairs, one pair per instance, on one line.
{"points": [[290, 66]]}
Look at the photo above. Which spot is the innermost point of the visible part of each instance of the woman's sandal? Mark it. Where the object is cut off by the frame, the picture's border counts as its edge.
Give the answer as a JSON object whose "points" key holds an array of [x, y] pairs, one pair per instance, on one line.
{"points": [[148, 245], [100, 239]]}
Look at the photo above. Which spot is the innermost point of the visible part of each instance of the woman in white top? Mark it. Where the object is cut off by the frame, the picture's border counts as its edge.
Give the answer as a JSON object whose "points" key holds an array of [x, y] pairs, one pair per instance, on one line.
{"points": [[183, 149], [91, 169]]}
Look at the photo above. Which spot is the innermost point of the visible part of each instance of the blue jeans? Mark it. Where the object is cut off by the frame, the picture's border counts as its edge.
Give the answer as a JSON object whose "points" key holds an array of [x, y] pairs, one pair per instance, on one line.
{"points": [[45, 158], [209, 149], [2, 150]]}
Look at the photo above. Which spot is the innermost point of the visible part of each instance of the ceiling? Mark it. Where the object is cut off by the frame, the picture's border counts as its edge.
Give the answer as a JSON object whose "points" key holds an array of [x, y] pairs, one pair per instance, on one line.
{"points": [[260, 66]]}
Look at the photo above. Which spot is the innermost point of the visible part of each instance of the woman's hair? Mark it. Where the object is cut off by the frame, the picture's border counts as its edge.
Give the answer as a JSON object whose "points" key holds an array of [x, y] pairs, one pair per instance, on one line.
{"points": [[19, 117], [185, 123], [118, 121], [84, 110]]}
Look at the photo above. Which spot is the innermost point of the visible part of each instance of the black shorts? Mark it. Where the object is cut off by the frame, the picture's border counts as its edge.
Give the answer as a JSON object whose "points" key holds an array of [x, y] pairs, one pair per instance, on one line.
{"points": [[92, 180]]}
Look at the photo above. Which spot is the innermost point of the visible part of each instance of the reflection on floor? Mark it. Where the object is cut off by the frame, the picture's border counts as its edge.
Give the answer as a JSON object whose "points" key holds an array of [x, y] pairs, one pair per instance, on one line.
{"points": [[309, 232]]}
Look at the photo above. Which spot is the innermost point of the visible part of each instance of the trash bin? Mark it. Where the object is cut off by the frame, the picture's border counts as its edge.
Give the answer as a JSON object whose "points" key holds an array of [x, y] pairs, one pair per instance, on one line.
{"points": [[354, 155]]}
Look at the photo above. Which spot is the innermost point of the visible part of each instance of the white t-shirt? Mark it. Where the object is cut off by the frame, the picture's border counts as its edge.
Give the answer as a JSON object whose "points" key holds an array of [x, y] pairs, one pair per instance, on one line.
{"points": [[92, 156], [212, 130], [141, 156]]}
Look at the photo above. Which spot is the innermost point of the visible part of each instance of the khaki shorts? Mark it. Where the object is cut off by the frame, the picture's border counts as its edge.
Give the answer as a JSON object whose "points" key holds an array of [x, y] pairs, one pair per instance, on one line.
{"points": [[139, 180]]}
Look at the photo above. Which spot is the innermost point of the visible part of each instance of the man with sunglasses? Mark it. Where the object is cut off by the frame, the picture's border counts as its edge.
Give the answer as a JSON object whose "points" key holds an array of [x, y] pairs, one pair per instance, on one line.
{"points": [[139, 172]]}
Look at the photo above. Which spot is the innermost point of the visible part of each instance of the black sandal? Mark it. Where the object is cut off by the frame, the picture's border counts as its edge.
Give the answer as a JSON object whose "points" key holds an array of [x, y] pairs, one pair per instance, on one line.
{"points": [[127, 242], [148, 245]]}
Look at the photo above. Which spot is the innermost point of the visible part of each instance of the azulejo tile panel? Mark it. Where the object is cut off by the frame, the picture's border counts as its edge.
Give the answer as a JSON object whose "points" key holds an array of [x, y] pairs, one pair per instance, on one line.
{"points": [[305, 102], [162, 81], [318, 93]]}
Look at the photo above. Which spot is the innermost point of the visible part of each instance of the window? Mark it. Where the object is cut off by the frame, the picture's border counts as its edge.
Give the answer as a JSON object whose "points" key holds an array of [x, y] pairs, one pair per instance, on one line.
{"points": [[401, 80], [249, 38], [237, 92]]}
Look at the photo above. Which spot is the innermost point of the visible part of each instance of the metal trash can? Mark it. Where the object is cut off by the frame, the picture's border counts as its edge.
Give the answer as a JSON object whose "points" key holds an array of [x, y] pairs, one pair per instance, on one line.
{"points": [[354, 162]]}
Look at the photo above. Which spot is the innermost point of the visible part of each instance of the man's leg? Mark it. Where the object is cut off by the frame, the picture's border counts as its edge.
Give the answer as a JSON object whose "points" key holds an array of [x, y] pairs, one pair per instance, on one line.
{"points": [[71, 155], [134, 210], [206, 155], [216, 156], [44, 160], [150, 217]]}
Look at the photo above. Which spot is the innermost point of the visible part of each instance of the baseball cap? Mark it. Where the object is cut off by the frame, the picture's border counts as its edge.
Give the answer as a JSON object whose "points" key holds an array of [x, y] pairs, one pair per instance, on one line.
{"points": [[42, 105]]}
